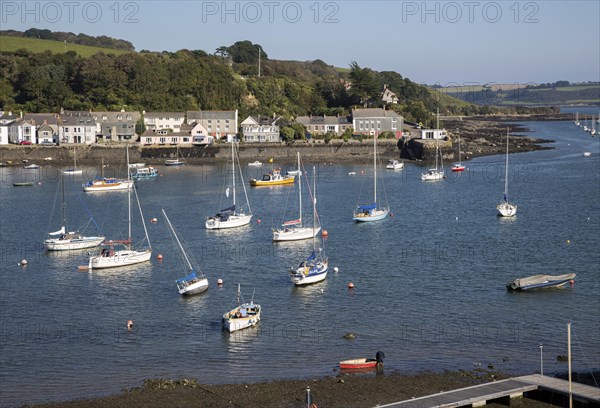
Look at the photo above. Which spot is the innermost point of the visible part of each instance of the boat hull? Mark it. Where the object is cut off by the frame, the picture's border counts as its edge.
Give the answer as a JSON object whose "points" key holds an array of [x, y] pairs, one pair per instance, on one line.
{"points": [[103, 186], [57, 244], [432, 175], [540, 282], [194, 288], [262, 183], [458, 168], [307, 276], [232, 323], [373, 216], [174, 163], [120, 258], [72, 171], [358, 364], [506, 210], [233, 221], [295, 234]]}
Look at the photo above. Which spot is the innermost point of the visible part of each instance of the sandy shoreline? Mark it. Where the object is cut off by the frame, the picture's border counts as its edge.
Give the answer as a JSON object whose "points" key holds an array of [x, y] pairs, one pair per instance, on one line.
{"points": [[342, 390]]}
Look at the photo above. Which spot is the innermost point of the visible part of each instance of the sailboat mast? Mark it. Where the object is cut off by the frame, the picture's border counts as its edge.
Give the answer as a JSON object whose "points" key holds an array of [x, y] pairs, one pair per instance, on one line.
{"points": [[233, 168], [128, 203], [63, 208], [177, 239], [506, 172], [314, 207], [375, 168], [300, 188], [569, 358]]}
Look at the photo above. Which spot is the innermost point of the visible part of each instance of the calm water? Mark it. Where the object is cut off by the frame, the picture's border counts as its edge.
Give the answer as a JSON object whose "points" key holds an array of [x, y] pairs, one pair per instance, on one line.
{"points": [[429, 281]]}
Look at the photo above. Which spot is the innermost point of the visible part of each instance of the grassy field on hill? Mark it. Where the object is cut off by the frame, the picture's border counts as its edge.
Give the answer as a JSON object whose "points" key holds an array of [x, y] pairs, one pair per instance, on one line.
{"points": [[11, 44]]}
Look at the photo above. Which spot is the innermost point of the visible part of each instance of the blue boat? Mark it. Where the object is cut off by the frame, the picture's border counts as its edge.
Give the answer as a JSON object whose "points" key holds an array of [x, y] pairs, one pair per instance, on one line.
{"points": [[143, 173]]}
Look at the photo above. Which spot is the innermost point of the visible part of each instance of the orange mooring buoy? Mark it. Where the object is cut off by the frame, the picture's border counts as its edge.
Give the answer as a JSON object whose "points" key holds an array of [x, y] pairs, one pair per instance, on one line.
{"points": [[324, 233], [350, 285], [159, 257]]}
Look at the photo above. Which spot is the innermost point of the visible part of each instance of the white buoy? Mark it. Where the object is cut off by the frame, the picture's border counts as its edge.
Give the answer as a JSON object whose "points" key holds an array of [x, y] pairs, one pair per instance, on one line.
{"points": [[336, 269], [219, 281], [23, 262]]}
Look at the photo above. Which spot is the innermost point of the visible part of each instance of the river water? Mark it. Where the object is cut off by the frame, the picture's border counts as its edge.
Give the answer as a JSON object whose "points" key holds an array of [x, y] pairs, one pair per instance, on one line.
{"points": [[429, 281]]}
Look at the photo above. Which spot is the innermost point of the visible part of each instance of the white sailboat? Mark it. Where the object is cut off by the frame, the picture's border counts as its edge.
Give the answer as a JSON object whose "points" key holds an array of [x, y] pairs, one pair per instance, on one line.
{"points": [[436, 173], [371, 212], [293, 230], [505, 209], [74, 170], [242, 316], [593, 128], [68, 240], [195, 282], [117, 253], [459, 166], [176, 161], [314, 268], [107, 184], [231, 217]]}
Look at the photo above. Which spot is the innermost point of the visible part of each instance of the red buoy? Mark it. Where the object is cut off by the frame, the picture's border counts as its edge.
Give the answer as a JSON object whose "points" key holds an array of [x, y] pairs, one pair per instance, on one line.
{"points": [[350, 285], [159, 257], [324, 233], [572, 282], [258, 221]]}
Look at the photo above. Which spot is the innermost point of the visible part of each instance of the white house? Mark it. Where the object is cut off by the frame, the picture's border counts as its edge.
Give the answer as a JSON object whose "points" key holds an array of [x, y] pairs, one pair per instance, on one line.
{"points": [[4, 134], [8, 117], [77, 127], [320, 125], [257, 129], [22, 130], [189, 134], [217, 123], [432, 134], [164, 120], [372, 121]]}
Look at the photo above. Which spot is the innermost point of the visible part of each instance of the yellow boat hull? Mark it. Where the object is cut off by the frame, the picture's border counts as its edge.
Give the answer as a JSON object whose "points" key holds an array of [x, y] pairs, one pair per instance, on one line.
{"points": [[258, 183]]}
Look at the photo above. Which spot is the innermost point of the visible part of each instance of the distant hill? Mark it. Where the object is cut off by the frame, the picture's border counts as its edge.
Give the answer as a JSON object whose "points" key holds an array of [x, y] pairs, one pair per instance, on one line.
{"points": [[72, 38], [559, 93], [35, 45]]}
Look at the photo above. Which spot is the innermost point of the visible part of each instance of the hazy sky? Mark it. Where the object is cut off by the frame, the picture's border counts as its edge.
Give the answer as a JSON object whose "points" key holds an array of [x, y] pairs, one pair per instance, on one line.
{"points": [[445, 42]]}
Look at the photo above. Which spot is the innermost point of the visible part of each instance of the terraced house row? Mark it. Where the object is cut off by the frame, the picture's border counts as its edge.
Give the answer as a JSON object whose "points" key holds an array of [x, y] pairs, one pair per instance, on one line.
{"points": [[179, 128]]}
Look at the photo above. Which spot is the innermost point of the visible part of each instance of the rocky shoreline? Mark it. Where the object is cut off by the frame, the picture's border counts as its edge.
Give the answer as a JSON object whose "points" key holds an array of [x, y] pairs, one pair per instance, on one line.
{"points": [[343, 391]]}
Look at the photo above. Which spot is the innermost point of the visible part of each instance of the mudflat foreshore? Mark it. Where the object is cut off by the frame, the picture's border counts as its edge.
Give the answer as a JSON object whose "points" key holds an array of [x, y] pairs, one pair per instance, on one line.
{"points": [[343, 391], [479, 137]]}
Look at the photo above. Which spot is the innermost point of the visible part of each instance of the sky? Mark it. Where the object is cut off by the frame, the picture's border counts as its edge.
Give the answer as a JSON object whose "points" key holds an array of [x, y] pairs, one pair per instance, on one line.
{"points": [[430, 42]]}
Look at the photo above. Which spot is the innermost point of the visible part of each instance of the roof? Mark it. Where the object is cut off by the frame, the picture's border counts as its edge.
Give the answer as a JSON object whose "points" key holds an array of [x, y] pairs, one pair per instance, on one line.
{"points": [[210, 115], [164, 115], [70, 118], [373, 113], [39, 118], [323, 120], [259, 120], [112, 117]]}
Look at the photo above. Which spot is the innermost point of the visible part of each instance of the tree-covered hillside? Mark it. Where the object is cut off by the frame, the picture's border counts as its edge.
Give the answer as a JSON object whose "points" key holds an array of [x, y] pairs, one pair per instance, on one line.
{"points": [[190, 80]]}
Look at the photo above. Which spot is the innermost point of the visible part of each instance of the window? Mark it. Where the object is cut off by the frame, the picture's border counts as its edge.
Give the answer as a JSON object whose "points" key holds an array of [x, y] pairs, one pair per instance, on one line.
{"points": [[119, 117], [104, 117], [128, 117], [186, 139], [66, 130]]}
